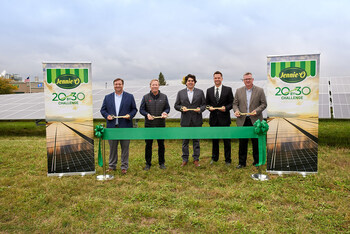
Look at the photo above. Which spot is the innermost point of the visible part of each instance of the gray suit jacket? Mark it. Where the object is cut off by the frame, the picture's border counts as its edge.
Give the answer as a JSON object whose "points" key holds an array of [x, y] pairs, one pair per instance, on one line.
{"points": [[190, 118], [257, 103]]}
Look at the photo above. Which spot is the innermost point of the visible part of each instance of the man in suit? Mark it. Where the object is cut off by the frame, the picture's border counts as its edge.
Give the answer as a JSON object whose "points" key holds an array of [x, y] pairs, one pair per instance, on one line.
{"points": [[155, 107], [119, 103], [251, 101], [190, 98], [219, 98]]}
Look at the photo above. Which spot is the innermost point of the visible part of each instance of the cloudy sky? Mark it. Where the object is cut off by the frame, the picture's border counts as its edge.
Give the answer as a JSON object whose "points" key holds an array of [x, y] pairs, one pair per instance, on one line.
{"points": [[137, 39]]}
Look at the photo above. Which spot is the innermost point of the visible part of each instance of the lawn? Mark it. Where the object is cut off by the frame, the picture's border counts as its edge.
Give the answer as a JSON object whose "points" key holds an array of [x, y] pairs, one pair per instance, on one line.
{"points": [[212, 198]]}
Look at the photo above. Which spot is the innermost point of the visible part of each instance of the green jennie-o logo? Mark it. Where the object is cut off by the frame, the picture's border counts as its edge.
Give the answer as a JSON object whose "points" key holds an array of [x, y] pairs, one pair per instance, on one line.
{"points": [[293, 71], [293, 75], [68, 81]]}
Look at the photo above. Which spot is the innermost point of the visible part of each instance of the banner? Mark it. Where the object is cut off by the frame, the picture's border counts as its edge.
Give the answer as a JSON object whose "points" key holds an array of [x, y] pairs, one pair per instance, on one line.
{"points": [[292, 98], [68, 110]]}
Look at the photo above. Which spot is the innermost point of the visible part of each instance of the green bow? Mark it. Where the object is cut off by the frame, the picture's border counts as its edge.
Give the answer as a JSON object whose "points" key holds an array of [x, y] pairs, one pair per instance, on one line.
{"points": [[99, 134], [261, 128]]}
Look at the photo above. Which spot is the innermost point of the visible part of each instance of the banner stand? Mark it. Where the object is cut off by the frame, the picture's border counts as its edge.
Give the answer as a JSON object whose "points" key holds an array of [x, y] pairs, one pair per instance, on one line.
{"points": [[104, 176], [259, 176]]}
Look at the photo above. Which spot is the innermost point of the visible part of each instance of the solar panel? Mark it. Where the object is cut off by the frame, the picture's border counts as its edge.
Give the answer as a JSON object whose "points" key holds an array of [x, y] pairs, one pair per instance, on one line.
{"points": [[340, 94], [32, 106]]}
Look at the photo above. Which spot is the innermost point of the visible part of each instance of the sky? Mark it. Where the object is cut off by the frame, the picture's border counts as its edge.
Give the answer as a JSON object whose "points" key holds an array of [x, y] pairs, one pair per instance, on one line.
{"points": [[138, 39]]}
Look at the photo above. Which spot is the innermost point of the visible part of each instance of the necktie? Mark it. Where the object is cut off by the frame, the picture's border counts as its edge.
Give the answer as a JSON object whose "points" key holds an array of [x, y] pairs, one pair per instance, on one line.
{"points": [[217, 95]]}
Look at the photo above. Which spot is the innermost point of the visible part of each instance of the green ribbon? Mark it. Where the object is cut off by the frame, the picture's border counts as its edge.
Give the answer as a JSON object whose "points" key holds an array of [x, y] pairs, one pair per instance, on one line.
{"points": [[261, 128], [99, 134]]}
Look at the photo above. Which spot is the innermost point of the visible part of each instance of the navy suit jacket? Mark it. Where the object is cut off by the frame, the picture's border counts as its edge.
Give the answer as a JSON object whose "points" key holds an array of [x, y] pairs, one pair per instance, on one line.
{"points": [[127, 106]]}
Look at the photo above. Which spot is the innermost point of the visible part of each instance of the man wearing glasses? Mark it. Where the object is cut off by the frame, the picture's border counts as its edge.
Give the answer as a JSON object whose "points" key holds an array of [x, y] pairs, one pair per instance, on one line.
{"points": [[248, 105]]}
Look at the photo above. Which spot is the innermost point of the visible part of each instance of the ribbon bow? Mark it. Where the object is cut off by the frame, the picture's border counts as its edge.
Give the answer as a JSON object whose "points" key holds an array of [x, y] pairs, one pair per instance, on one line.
{"points": [[261, 128], [99, 129]]}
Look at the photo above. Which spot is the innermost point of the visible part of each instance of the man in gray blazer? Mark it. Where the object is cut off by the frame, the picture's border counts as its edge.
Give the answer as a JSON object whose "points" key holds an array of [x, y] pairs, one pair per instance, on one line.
{"points": [[248, 105], [191, 102]]}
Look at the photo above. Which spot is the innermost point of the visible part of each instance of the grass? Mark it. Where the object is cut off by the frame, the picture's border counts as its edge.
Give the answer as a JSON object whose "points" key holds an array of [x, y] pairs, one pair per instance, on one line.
{"points": [[208, 199]]}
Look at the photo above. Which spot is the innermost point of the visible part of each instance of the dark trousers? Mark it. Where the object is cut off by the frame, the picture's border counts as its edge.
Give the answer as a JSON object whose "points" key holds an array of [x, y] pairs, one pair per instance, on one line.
{"points": [[227, 149], [148, 150], [186, 152], [243, 146]]}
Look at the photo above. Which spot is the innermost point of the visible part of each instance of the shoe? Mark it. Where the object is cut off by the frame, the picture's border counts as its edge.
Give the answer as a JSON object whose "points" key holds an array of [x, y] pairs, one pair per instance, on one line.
{"points": [[162, 166], [240, 166], [147, 167], [110, 170], [184, 164], [196, 163], [123, 171], [213, 162], [227, 163]]}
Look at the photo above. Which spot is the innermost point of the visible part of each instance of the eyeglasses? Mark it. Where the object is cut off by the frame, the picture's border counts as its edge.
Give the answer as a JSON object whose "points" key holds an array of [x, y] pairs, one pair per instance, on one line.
{"points": [[247, 79]]}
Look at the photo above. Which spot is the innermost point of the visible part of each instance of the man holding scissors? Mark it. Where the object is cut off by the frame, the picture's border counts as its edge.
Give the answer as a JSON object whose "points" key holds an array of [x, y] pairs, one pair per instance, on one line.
{"points": [[118, 109], [219, 101], [191, 102], [249, 103], [155, 107]]}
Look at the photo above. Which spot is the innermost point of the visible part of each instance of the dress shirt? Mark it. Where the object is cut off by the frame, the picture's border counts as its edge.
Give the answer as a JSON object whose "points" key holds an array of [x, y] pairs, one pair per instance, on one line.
{"points": [[249, 95], [190, 95], [220, 88], [117, 100]]}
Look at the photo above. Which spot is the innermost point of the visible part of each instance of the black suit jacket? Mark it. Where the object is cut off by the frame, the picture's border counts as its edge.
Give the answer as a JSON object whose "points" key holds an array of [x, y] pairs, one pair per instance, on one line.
{"points": [[190, 118], [217, 117]]}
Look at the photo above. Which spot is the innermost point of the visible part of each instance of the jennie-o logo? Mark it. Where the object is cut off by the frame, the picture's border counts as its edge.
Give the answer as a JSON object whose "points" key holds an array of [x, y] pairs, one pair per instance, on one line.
{"points": [[293, 71], [68, 81], [293, 75]]}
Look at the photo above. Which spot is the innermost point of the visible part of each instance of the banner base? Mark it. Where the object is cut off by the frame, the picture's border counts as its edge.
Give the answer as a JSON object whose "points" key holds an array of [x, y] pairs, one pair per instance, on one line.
{"points": [[72, 173], [303, 173], [260, 177], [104, 177]]}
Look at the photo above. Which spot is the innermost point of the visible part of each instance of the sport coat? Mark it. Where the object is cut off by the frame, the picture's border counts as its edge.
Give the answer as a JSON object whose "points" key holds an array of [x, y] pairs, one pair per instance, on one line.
{"points": [[217, 117], [127, 106], [257, 103], [190, 118]]}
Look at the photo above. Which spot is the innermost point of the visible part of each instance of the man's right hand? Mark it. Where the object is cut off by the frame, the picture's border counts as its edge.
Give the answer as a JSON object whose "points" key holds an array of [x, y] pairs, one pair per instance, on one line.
{"points": [[150, 117], [109, 117]]}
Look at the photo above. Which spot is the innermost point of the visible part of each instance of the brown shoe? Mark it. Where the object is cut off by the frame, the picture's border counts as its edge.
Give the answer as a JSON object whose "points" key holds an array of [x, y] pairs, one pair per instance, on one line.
{"points": [[110, 170], [123, 171], [184, 163], [196, 163]]}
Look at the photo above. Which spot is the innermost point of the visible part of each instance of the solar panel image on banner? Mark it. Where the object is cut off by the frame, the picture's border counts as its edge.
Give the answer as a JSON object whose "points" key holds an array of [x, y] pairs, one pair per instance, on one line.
{"points": [[324, 100], [340, 89], [296, 141], [70, 147]]}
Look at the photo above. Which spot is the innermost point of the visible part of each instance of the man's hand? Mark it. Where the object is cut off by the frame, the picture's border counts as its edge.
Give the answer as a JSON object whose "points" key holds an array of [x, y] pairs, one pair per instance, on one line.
{"points": [[237, 113], [253, 112], [197, 109], [184, 109], [109, 117], [222, 109], [164, 115], [127, 116], [150, 117]]}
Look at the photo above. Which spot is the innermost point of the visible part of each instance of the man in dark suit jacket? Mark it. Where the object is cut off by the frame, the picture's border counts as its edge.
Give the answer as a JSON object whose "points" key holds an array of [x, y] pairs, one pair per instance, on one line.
{"points": [[193, 99], [250, 100], [119, 103], [219, 99]]}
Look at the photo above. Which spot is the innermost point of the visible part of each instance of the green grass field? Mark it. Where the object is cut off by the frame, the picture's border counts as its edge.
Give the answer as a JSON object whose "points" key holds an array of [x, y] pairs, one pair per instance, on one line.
{"points": [[212, 198]]}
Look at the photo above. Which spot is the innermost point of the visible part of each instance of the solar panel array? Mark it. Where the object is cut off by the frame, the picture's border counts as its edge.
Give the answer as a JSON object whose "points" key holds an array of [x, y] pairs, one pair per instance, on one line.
{"points": [[340, 93], [32, 106]]}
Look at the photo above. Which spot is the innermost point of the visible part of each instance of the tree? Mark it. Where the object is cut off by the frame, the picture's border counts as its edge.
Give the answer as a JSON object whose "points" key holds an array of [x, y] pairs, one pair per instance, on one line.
{"points": [[6, 87], [161, 79]]}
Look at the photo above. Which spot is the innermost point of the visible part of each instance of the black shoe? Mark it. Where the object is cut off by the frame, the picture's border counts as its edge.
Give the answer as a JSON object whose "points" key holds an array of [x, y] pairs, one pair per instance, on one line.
{"points": [[147, 167], [227, 163], [162, 166], [240, 166]]}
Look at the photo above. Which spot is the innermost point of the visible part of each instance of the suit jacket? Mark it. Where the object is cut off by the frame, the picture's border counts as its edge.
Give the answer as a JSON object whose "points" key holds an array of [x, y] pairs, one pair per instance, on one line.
{"points": [[217, 117], [127, 106], [190, 118], [257, 103]]}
